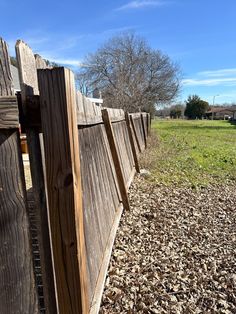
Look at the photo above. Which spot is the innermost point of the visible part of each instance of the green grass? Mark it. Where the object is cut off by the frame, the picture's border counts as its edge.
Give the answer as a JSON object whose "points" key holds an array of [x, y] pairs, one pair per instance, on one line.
{"points": [[195, 153]]}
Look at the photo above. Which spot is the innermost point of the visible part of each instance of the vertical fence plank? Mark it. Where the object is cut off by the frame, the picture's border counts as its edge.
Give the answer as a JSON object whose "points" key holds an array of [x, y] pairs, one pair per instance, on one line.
{"points": [[17, 285], [135, 133], [58, 111], [29, 86], [40, 62], [148, 123], [136, 163], [144, 130], [115, 156], [6, 86]]}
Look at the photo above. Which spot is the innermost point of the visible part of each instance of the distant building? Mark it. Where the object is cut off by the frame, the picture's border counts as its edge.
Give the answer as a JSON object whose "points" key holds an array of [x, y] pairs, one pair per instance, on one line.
{"points": [[220, 113], [96, 101], [97, 97], [234, 115]]}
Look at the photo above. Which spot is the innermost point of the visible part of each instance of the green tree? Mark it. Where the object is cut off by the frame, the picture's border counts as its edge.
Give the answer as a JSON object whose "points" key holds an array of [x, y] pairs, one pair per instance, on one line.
{"points": [[195, 107], [176, 111]]}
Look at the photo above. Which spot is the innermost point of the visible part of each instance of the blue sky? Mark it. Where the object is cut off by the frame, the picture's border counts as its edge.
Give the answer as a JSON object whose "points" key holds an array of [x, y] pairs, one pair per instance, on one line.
{"points": [[199, 35]]}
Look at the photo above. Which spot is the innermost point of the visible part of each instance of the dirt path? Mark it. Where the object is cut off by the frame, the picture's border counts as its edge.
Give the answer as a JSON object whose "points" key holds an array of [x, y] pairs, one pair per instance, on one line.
{"points": [[175, 252]]}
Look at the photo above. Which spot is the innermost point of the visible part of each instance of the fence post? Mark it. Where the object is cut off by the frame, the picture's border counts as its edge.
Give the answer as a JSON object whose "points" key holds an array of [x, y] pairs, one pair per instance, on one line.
{"points": [[17, 284], [144, 130], [115, 157], [29, 87], [127, 118], [62, 159]]}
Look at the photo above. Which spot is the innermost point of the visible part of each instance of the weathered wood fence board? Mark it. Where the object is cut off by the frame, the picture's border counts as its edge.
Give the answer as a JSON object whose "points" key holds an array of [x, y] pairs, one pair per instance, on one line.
{"points": [[81, 167], [6, 85], [58, 99], [9, 115], [139, 129], [116, 159], [133, 145], [27, 66], [17, 284], [100, 196], [124, 150]]}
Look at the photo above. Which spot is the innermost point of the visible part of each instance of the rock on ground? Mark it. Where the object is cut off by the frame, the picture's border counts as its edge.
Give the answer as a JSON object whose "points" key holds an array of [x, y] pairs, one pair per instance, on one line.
{"points": [[175, 252]]}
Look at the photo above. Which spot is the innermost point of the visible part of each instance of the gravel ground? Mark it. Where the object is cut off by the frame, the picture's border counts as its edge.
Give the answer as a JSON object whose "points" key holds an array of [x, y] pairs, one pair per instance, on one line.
{"points": [[175, 252]]}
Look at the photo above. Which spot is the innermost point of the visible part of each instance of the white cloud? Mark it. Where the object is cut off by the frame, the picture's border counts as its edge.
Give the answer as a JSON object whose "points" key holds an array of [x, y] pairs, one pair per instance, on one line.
{"points": [[218, 73], [140, 4], [225, 77], [68, 62], [62, 61], [230, 81]]}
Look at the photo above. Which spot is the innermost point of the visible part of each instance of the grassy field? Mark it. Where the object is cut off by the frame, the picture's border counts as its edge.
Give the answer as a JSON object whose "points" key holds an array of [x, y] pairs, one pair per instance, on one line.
{"points": [[195, 153]]}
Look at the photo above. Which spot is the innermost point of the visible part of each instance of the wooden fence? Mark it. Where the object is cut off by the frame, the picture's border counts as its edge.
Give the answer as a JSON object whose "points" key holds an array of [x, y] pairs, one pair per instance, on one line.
{"points": [[83, 159]]}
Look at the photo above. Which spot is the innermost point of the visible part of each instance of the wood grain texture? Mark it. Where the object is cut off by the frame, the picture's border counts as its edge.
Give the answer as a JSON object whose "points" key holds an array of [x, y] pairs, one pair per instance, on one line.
{"points": [[135, 132], [136, 122], [17, 285], [58, 109], [146, 118], [116, 159], [9, 115], [132, 141], [101, 197], [116, 115], [40, 62], [28, 64], [6, 85], [105, 263], [124, 149], [27, 70], [88, 113]]}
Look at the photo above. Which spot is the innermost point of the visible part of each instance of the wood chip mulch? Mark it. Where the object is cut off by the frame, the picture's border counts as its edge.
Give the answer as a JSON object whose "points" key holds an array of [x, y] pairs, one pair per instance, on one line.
{"points": [[175, 252]]}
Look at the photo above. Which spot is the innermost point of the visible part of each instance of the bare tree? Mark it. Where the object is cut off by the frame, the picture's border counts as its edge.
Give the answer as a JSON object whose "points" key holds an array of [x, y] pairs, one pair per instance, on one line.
{"points": [[83, 84], [130, 74]]}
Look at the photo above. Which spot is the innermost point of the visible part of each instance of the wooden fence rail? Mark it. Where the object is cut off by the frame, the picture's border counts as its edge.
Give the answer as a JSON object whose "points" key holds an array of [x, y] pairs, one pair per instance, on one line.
{"points": [[83, 159]]}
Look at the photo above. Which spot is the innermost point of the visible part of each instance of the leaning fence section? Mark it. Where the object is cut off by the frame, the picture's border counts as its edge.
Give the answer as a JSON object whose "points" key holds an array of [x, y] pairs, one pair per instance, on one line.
{"points": [[101, 199], [83, 159], [17, 284]]}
